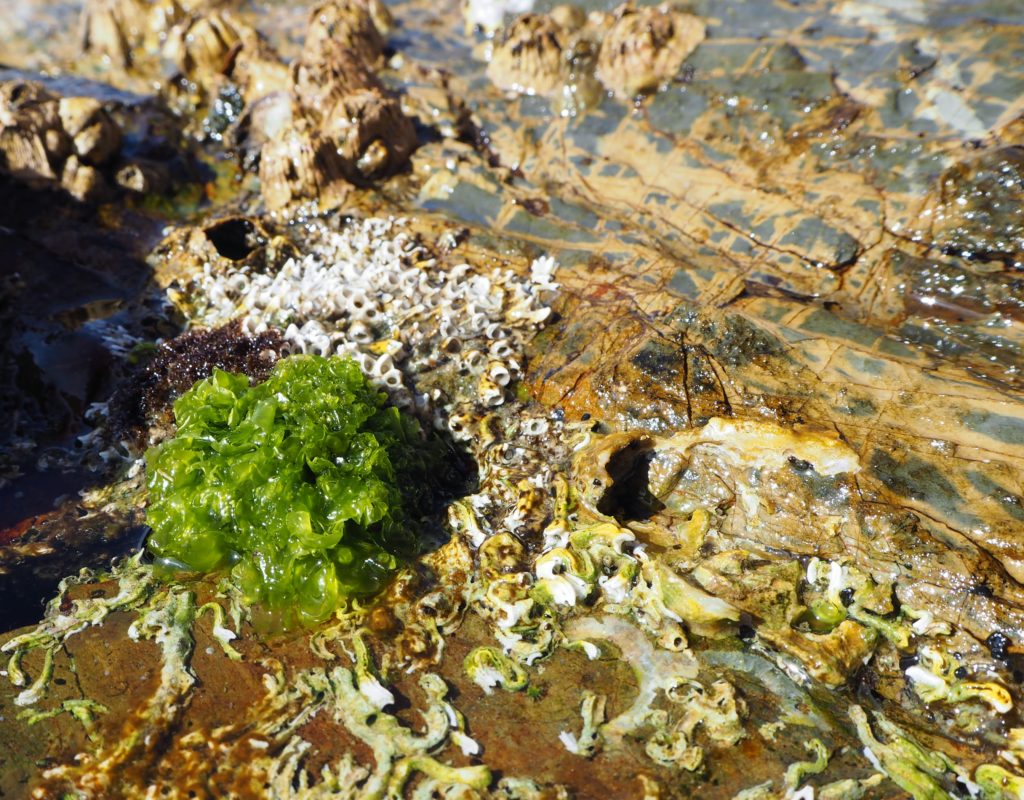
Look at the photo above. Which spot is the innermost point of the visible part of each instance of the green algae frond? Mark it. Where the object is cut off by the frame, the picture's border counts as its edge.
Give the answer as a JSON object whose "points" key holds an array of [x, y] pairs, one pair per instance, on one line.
{"points": [[305, 485]]}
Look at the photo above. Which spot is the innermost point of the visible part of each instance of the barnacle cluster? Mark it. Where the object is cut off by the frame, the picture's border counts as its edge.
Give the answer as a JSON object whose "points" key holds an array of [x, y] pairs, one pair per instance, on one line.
{"points": [[381, 296], [644, 47], [538, 55], [116, 30], [336, 124], [62, 142], [311, 128], [569, 56]]}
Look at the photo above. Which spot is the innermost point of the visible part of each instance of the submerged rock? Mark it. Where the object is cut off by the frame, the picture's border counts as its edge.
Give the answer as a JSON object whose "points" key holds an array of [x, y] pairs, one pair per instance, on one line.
{"points": [[978, 214]]}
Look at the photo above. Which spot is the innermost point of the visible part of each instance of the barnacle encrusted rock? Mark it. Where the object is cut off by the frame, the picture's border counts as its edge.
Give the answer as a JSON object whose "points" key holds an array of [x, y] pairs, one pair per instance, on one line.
{"points": [[199, 46], [536, 54], [352, 110], [113, 29], [370, 138], [49, 141], [199, 40], [645, 47], [33, 142], [316, 126], [344, 26], [95, 136], [565, 52], [376, 292], [341, 125]]}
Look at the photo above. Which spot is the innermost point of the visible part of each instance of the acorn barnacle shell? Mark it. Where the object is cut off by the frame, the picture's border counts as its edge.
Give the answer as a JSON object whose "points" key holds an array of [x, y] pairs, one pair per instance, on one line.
{"points": [[645, 47]]}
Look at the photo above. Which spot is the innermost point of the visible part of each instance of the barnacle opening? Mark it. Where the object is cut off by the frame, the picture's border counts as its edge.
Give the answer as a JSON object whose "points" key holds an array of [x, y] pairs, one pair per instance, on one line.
{"points": [[234, 238], [628, 497]]}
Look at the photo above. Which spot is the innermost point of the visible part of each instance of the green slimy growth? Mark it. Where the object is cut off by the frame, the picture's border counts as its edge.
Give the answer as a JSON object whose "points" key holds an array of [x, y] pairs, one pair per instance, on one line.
{"points": [[305, 485]]}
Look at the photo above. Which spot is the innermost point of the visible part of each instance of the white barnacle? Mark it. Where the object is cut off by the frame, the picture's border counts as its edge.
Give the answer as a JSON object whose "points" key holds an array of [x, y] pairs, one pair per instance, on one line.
{"points": [[535, 427], [382, 365], [501, 349], [490, 393], [360, 332], [542, 270], [392, 379], [499, 373], [474, 359]]}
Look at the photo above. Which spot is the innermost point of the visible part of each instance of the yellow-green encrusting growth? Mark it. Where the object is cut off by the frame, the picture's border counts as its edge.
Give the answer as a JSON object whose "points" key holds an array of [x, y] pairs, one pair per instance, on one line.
{"points": [[305, 485]]}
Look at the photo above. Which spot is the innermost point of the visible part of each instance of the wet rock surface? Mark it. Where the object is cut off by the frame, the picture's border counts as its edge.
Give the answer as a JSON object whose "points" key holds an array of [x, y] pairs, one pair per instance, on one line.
{"points": [[722, 303]]}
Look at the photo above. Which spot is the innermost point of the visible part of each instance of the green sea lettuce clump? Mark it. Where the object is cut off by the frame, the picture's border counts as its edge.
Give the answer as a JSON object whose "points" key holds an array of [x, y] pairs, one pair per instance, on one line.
{"points": [[305, 485]]}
